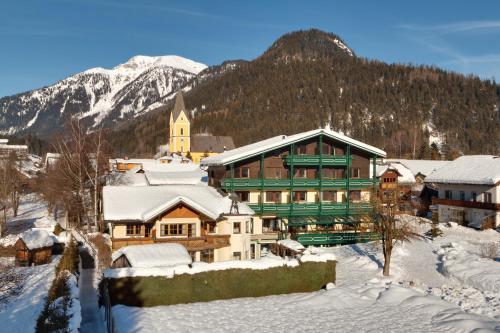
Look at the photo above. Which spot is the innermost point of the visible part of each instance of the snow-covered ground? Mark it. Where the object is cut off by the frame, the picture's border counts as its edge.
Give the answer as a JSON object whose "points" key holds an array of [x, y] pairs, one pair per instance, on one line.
{"points": [[20, 313], [32, 214], [429, 290]]}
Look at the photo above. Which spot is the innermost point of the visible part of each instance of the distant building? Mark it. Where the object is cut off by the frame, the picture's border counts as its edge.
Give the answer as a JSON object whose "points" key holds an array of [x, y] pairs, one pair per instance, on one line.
{"points": [[154, 173], [469, 190], [396, 182], [199, 146], [6, 149], [422, 193]]}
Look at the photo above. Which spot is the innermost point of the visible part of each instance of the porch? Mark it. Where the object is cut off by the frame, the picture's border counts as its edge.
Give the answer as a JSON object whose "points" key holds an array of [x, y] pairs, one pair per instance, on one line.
{"points": [[207, 242]]}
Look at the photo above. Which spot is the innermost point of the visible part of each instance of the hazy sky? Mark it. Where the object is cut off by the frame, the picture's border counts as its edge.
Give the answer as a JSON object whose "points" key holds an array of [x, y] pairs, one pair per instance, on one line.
{"points": [[42, 41]]}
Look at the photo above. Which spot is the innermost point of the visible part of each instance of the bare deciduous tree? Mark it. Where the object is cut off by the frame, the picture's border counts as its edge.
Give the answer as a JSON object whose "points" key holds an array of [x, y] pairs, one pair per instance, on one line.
{"points": [[11, 183], [74, 180], [390, 228]]}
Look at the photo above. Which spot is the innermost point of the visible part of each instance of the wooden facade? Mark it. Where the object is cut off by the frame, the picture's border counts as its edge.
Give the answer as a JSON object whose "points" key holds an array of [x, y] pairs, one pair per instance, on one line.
{"points": [[315, 185], [27, 257], [206, 242]]}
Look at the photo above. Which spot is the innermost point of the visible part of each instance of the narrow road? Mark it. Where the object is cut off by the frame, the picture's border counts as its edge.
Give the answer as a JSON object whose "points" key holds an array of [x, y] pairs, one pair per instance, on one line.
{"points": [[92, 321]]}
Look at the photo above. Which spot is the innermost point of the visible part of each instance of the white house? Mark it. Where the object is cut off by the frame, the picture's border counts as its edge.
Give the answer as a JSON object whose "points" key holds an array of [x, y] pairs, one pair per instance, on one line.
{"points": [[212, 227], [469, 190]]}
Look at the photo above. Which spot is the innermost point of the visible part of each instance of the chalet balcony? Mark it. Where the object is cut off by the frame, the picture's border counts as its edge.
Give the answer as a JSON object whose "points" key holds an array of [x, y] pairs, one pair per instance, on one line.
{"points": [[325, 160], [336, 238], [311, 209], [268, 183], [191, 243], [466, 204]]}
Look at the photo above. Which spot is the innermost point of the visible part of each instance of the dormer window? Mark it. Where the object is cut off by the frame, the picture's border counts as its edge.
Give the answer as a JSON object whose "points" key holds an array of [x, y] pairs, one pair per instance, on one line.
{"points": [[182, 131]]}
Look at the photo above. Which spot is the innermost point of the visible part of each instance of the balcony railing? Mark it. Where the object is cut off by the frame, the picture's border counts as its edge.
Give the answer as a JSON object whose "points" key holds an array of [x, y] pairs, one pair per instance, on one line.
{"points": [[326, 160], [269, 183], [311, 209], [191, 243], [466, 204], [336, 238]]}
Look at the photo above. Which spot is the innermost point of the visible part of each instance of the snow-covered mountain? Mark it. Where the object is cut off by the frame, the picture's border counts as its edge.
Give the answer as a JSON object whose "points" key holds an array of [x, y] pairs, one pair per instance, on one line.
{"points": [[99, 96]]}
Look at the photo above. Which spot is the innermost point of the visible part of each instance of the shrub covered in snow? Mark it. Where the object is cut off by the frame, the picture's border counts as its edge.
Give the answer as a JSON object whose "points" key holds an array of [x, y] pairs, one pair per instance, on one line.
{"points": [[62, 308]]}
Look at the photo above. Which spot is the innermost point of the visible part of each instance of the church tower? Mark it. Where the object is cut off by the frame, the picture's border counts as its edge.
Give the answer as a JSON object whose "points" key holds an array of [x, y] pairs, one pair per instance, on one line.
{"points": [[180, 127]]}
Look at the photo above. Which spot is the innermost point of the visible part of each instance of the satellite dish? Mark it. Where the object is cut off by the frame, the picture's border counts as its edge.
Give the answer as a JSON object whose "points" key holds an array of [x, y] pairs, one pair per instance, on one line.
{"points": [[234, 203]]}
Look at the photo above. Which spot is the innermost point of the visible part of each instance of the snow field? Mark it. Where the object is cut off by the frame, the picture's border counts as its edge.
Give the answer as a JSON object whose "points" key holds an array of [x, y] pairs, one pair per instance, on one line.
{"points": [[423, 294], [21, 312]]}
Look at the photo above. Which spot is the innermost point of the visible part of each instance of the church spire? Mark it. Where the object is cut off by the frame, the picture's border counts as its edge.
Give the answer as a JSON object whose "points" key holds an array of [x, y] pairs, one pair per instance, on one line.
{"points": [[179, 105]]}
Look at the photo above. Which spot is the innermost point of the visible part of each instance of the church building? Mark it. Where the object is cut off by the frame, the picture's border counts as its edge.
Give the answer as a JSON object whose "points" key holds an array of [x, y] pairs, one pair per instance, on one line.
{"points": [[198, 146]]}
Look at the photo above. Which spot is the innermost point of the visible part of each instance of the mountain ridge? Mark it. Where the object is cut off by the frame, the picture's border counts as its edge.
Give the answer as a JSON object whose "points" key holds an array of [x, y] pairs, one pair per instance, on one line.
{"points": [[98, 95]]}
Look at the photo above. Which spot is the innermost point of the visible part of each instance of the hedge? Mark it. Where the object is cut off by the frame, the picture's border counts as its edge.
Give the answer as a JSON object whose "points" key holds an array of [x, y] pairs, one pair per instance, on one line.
{"points": [[224, 284], [50, 319]]}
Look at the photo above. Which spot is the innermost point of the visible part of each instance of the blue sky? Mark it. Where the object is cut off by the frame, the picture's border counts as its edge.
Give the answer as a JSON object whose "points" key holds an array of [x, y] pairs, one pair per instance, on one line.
{"points": [[45, 41]]}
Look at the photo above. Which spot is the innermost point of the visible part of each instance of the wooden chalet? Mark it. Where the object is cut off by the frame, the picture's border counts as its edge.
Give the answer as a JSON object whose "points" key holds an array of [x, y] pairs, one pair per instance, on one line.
{"points": [[313, 186], [34, 247]]}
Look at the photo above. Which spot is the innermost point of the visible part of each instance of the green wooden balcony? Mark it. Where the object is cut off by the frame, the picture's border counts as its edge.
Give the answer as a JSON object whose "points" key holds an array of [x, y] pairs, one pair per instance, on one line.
{"points": [[325, 160], [336, 238], [300, 183], [311, 209]]}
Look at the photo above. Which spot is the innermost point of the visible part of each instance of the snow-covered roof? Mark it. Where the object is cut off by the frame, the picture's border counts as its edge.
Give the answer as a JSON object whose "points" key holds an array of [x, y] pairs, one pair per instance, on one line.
{"points": [[425, 167], [143, 203], [174, 173], [160, 174], [171, 178], [470, 169], [405, 175], [154, 255], [35, 239], [127, 178], [291, 244], [283, 140]]}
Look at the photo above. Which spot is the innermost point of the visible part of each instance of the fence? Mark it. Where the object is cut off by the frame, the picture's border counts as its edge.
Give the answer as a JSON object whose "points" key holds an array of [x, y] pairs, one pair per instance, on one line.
{"points": [[108, 312], [79, 236]]}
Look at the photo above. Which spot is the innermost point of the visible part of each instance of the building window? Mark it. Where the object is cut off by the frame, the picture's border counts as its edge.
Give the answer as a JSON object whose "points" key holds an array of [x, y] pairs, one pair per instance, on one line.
{"points": [[328, 173], [273, 196], [270, 225], [236, 255], [474, 196], [243, 196], [462, 195], [207, 255], [236, 227], [326, 149], [242, 172], [209, 227], [273, 173], [448, 194], [301, 173], [247, 224], [355, 173], [147, 230], [300, 196], [355, 195], [301, 149], [182, 131], [184, 229], [487, 197], [252, 251], [330, 196], [133, 229]]}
